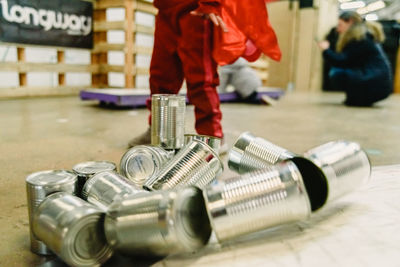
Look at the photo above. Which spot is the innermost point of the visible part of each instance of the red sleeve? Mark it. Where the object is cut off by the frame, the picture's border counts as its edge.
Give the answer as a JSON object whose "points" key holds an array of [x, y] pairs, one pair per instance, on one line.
{"points": [[249, 33], [209, 6]]}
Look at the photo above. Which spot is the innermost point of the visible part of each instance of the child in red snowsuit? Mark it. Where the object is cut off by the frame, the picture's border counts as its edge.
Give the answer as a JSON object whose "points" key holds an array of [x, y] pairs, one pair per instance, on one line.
{"points": [[183, 50]]}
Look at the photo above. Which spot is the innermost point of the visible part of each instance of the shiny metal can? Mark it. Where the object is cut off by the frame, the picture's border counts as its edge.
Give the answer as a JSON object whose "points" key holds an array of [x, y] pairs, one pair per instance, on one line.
{"points": [[158, 223], [256, 201], [141, 162], [38, 186], [195, 164], [73, 229], [251, 153], [105, 187], [168, 120], [343, 163], [85, 170], [213, 142]]}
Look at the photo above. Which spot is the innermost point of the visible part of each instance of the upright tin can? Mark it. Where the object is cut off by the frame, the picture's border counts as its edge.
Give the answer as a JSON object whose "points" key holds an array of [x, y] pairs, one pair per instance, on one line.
{"points": [[85, 170], [256, 201], [213, 142], [196, 164], [73, 229], [344, 164], [141, 162], [251, 153], [168, 120], [38, 186], [158, 223], [105, 187]]}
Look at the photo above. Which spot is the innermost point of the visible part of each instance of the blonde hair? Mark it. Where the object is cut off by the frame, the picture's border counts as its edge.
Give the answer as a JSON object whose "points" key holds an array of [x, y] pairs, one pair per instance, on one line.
{"points": [[376, 30], [358, 30]]}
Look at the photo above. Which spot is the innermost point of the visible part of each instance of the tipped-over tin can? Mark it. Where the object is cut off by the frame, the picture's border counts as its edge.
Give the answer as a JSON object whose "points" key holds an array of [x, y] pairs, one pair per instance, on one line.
{"points": [[195, 164], [168, 120], [213, 142], [256, 201], [141, 162], [73, 229], [158, 223], [344, 164], [38, 186], [251, 153], [85, 170], [105, 187]]}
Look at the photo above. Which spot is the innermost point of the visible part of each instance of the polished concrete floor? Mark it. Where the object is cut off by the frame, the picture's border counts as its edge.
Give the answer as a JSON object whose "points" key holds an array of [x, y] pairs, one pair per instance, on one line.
{"points": [[57, 133]]}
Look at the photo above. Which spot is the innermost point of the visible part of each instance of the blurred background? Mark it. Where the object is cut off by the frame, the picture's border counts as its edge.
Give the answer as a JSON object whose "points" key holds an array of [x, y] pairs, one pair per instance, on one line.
{"points": [[123, 38]]}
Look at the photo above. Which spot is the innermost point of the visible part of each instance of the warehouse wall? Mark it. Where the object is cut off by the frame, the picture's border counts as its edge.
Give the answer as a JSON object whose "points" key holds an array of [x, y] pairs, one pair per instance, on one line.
{"points": [[282, 15], [8, 53], [297, 31]]}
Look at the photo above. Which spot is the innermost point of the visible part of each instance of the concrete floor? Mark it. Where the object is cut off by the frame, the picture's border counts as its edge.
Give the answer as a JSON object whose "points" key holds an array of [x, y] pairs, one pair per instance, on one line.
{"points": [[57, 133]]}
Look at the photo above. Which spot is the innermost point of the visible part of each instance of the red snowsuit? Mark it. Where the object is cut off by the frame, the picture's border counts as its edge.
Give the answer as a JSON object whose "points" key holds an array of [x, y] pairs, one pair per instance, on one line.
{"points": [[182, 49]]}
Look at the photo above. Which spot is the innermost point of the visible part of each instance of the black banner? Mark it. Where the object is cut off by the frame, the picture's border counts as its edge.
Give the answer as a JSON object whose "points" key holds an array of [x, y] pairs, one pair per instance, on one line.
{"points": [[66, 23], [306, 3]]}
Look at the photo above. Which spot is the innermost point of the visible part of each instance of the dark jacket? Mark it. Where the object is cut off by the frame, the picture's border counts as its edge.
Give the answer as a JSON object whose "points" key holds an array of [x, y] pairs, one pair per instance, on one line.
{"points": [[362, 70]]}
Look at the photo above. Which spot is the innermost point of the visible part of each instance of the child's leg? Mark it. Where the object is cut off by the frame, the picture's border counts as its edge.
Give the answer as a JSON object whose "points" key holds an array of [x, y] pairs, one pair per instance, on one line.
{"points": [[201, 75], [166, 74]]}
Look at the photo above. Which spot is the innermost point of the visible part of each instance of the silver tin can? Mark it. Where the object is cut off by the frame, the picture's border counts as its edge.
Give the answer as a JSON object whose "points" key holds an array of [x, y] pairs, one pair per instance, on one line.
{"points": [[141, 162], [105, 187], [196, 164], [344, 164], [85, 170], [73, 229], [213, 142], [168, 120], [38, 186], [158, 223], [257, 201], [251, 153]]}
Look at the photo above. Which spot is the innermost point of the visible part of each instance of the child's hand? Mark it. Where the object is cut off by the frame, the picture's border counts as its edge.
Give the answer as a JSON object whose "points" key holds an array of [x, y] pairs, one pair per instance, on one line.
{"points": [[216, 19]]}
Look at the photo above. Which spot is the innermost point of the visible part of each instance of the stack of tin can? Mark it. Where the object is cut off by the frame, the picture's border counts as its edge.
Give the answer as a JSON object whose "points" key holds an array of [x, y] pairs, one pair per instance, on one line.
{"points": [[167, 197]]}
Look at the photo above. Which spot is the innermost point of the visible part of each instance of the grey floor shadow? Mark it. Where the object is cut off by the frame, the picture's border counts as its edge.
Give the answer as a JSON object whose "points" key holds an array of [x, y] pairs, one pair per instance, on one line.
{"points": [[271, 235], [117, 260]]}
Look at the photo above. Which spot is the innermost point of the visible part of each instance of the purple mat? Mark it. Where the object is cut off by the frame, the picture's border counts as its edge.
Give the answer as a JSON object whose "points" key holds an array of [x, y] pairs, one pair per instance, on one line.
{"points": [[137, 98]]}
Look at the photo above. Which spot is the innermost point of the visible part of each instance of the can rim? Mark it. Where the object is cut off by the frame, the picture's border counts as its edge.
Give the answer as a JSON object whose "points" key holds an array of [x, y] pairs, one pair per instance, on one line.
{"points": [[215, 154], [72, 250], [237, 151], [193, 232], [34, 179], [212, 141], [89, 167], [90, 182], [209, 209], [133, 152]]}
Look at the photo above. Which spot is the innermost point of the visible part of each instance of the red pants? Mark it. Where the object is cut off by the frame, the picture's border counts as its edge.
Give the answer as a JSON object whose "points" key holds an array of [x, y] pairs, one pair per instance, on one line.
{"points": [[184, 52]]}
